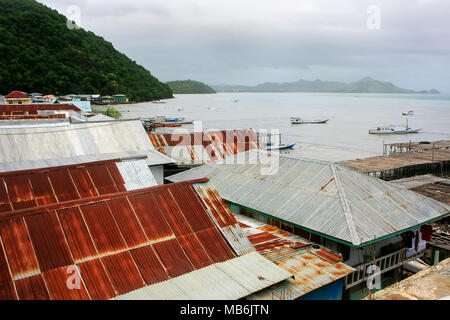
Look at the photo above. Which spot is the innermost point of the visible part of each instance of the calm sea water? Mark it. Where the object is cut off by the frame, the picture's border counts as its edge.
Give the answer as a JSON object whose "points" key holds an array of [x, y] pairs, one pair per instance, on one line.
{"points": [[344, 137]]}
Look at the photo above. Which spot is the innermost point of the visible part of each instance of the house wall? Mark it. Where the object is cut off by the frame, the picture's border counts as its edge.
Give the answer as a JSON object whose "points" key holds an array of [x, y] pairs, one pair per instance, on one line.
{"points": [[17, 101], [158, 173]]}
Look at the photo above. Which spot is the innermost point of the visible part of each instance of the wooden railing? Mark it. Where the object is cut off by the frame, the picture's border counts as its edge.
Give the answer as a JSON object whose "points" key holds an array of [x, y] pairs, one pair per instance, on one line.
{"points": [[384, 263]]}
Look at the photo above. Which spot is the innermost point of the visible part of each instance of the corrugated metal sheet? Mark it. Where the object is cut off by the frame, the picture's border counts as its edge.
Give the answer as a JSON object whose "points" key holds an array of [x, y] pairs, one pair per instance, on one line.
{"points": [[136, 175], [48, 241], [13, 109], [19, 249], [322, 196], [28, 189], [149, 265], [78, 139], [204, 147], [103, 228], [173, 258], [32, 288], [312, 268], [120, 242], [69, 161], [96, 279], [123, 272], [232, 279], [224, 219], [77, 234], [57, 280]]}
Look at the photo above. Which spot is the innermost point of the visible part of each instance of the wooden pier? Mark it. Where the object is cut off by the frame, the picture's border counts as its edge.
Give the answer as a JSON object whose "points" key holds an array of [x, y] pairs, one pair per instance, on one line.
{"points": [[406, 159]]}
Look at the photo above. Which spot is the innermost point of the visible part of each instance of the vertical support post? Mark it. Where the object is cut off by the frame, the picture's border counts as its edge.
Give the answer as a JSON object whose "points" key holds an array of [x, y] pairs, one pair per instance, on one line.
{"points": [[436, 257]]}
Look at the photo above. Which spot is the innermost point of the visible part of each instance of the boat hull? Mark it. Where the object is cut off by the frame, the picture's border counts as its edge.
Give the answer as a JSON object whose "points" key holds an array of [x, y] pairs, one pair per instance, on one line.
{"points": [[309, 122], [395, 131], [286, 147]]}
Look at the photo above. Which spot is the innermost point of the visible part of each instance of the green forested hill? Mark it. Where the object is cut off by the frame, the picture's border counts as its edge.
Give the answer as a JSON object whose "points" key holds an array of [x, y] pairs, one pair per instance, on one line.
{"points": [[189, 86], [39, 53]]}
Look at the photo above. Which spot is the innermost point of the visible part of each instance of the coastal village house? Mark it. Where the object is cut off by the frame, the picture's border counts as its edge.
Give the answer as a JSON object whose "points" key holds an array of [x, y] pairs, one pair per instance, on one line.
{"points": [[362, 217], [17, 97], [120, 98], [17, 114]]}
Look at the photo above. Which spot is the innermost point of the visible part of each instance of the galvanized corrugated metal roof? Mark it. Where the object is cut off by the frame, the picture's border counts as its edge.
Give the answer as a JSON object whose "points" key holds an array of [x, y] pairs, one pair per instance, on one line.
{"points": [[78, 139], [120, 242], [325, 197], [229, 280], [312, 268], [204, 147], [60, 162]]}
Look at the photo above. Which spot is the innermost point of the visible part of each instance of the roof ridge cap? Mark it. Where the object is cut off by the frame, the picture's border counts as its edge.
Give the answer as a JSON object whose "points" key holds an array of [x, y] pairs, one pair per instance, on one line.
{"points": [[347, 212]]}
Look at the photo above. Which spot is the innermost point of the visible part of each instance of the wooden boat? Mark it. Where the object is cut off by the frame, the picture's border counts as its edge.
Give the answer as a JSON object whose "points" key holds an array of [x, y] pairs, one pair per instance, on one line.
{"points": [[409, 113], [167, 125], [280, 147], [175, 120], [394, 130], [303, 121]]}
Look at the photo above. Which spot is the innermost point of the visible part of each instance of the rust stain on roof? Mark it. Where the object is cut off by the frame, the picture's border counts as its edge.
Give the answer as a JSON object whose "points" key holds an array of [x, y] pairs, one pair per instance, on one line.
{"points": [[214, 145], [119, 242]]}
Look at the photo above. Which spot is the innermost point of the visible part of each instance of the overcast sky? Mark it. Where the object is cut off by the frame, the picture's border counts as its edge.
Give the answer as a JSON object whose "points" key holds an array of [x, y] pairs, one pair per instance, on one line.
{"points": [[254, 41]]}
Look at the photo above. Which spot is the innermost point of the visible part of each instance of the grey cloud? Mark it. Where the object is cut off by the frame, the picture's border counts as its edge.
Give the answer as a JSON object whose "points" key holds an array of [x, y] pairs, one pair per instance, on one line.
{"points": [[253, 41]]}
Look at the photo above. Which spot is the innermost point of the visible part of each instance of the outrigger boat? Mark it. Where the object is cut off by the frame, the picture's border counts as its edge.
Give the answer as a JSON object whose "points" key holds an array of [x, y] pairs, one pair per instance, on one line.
{"points": [[175, 120], [302, 121], [279, 147], [393, 130]]}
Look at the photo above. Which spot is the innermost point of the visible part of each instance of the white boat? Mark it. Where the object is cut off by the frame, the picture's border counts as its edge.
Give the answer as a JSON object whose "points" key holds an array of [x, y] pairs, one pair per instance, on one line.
{"points": [[393, 130], [304, 121], [409, 113]]}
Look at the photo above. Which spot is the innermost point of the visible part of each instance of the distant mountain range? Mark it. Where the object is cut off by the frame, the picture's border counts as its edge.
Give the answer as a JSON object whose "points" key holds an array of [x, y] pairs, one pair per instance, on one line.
{"points": [[365, 85]]}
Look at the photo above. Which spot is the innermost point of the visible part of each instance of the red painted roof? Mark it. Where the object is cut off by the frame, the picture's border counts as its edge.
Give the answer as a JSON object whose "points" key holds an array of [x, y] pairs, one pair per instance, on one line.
{"points": [[34, 188], [16, 95], [32, 109], [118, 242], [205, 146]]}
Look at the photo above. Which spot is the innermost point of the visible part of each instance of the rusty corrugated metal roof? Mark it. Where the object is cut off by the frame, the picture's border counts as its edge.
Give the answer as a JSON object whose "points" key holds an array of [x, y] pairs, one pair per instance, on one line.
{"points": [[119, 243], [311, 267], [38, 187], [204, 147]]}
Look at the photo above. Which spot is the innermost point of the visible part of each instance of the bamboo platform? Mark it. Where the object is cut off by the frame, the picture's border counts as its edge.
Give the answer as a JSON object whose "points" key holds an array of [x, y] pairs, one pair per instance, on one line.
{"points": [[405, 159]]}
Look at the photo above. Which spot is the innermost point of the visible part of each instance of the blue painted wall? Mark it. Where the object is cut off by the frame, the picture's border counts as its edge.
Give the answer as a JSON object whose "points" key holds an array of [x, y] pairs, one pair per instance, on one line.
{"points": [[332, 291]]}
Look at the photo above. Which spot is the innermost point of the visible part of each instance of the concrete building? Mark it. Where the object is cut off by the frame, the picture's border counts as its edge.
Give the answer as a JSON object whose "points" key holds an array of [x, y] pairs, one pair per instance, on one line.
{"points": [[17, 97]]}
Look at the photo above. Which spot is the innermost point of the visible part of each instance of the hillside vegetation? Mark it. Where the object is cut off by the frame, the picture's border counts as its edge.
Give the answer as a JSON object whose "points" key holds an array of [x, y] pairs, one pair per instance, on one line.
{"points": [[39, 53], [189, 86]]}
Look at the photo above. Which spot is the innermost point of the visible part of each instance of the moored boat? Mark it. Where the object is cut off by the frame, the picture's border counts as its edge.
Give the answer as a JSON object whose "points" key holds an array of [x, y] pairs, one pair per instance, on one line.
{"points": [[304, 121], [392, 130], [280, 146]]}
